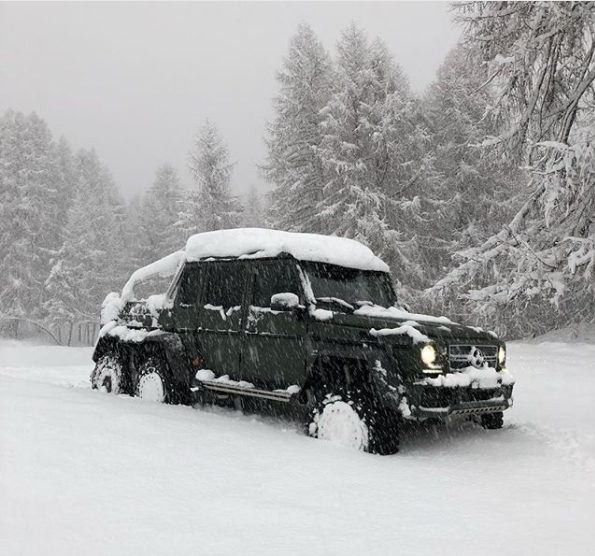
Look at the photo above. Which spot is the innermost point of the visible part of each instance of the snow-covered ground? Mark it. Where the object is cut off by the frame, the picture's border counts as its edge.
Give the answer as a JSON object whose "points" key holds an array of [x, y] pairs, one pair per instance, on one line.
{"points": [[86, 473]]}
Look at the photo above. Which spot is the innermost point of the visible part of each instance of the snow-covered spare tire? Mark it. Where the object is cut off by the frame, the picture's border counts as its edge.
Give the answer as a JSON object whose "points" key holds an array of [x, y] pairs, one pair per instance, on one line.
{"points": [[152, 382], [354, 422], [107, 375]]}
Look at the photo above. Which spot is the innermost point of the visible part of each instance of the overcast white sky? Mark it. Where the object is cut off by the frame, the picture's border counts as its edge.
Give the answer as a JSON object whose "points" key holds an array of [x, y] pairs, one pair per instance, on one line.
{"points": [[135, 80]]}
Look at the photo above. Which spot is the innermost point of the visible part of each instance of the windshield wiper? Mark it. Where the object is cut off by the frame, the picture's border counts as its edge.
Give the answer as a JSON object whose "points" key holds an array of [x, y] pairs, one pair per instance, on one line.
{"points": [[337, 302]]}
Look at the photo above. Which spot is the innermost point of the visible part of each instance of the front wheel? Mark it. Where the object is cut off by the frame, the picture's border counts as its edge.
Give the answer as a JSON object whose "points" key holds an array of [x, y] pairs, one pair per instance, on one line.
{"points": [[492, 420], [355, 422]]}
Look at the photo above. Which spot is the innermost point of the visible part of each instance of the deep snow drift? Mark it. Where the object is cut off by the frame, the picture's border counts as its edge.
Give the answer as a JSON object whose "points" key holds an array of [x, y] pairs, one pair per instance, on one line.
{"points": [[82, 472]]}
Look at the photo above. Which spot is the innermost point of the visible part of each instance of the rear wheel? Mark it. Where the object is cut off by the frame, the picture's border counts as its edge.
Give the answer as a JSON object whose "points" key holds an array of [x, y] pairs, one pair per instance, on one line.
{"points": [[107, 375], [492, 420], [355, 421], [152, 382]]}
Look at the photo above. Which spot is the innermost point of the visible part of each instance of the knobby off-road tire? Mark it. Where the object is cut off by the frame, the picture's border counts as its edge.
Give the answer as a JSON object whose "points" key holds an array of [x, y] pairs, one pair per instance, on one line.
{"points": [[153, 384], [354, 420], [108, 374], [492, 421]]}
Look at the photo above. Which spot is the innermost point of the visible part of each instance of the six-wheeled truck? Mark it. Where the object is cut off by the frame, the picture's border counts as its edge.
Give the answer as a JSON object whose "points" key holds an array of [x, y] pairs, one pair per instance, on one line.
{"points": [[302, 324]]}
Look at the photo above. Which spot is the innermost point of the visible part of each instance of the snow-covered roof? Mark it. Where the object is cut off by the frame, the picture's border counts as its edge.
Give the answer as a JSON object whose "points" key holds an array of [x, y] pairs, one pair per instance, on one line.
{"points": [[257, 243]]}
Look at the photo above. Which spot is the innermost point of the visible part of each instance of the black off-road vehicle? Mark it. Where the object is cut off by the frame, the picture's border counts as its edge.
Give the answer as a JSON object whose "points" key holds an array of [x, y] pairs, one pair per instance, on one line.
{"points": [[308, 325]]}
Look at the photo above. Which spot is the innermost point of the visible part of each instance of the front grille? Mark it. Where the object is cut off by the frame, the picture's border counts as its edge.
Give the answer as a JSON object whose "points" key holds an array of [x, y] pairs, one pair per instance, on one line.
{"points": [[465, 355]]}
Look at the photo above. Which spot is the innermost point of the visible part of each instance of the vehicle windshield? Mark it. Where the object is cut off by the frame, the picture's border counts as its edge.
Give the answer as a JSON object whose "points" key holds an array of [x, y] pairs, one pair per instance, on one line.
{"points": [[347, 289]]}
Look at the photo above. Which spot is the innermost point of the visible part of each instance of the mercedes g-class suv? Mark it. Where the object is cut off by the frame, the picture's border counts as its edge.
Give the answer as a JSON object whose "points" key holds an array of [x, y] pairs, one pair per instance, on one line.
{"points": [[307, 325]]}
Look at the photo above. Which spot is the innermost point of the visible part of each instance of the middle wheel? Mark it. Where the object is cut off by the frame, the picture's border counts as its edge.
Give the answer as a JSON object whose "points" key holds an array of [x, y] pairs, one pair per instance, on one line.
{"points": [[152, 382]]}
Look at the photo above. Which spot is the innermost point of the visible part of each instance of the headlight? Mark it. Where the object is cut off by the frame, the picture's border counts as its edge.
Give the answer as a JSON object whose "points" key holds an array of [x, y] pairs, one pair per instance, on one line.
{"points": [[501, 355], [428, 354]]}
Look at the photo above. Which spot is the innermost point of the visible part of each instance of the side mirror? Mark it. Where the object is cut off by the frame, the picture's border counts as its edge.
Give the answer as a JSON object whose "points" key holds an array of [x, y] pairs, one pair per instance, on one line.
{"points": [[284, 302]]}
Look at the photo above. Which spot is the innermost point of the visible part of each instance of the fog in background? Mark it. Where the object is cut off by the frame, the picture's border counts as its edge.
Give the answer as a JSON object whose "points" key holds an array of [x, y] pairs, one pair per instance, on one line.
{"points": [[135, 80]]}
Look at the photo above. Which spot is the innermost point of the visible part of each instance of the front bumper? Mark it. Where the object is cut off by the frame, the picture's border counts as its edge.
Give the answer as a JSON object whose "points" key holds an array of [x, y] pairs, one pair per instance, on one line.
{"points": [[438, 402]]}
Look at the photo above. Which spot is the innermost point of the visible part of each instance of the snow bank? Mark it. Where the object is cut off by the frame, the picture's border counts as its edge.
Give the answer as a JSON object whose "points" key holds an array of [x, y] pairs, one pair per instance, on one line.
{"points": [[255, 243], [581, 334], [85, 473]]}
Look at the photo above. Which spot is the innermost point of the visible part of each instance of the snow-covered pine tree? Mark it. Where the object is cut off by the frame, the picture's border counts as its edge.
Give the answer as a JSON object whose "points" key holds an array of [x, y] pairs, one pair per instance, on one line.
{"points": [[97, 218], [132, 231], [159, 215], [537, 272], [412, 212], [69, 284], [28, 199], [211, 170], [294, 165], [189, 214], [371, 154], [475, 185], [254, 213], [66, 181]]}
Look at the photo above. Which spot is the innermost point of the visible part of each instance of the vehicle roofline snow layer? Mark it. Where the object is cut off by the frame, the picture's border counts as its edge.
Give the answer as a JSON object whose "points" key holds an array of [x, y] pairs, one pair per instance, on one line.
{"points": [[259, 243]]}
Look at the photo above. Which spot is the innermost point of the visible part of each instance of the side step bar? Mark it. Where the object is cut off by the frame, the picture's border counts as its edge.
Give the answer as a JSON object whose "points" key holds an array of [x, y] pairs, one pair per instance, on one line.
{"points": [[226, 388]]}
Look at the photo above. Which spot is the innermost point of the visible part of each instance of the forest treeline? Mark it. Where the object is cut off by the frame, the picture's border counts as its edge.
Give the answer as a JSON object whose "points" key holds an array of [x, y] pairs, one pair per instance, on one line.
{"points": [[479, 192]]}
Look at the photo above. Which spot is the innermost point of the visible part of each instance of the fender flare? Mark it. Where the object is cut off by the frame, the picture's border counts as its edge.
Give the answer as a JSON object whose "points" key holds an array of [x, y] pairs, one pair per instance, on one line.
{"points": [[377, 378]]}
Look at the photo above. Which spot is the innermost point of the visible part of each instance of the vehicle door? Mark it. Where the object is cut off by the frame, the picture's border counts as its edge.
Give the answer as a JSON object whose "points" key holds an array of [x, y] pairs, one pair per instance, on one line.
{"points": [[220, 316], [273, 353]]}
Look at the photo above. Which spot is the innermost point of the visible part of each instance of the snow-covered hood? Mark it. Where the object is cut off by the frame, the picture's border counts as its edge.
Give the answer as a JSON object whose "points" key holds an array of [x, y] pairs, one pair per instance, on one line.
{"points": [[380, 322]]}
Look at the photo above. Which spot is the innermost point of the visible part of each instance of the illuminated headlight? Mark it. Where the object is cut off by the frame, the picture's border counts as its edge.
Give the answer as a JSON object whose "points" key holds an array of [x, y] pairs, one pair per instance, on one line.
{"points": [[501, 355], [428, 354]]}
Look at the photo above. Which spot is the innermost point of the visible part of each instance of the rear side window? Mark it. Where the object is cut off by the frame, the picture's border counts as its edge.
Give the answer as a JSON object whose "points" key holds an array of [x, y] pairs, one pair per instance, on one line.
{"points": [[273, 278], [225, 285]]}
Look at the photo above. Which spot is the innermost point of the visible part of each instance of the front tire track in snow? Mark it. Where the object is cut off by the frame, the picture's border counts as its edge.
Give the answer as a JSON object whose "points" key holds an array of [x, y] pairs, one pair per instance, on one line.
{"points": [[567, 442]]}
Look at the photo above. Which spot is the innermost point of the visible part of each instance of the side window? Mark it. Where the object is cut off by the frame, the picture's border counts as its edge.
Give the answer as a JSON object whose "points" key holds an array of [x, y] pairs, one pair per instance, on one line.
{"points": [[225, 285], [189, 287], [270, 279]]}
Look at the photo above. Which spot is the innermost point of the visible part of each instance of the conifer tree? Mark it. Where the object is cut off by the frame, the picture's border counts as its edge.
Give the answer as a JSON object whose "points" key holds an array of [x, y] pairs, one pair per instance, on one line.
{"points": [[294, 165], [371, 152], [253, 216], [475, 185], [159, 215], [538, 271], [211, 170], [28, 199]]}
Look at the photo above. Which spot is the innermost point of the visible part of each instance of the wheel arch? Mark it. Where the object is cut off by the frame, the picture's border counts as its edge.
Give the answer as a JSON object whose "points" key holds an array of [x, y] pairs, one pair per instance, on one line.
{"points": [[329, 371]]}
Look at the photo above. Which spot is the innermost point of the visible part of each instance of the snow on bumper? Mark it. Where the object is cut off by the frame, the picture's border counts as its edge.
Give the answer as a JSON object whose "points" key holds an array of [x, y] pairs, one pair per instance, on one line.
{"points": [[471, 391], [485, 378]]}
